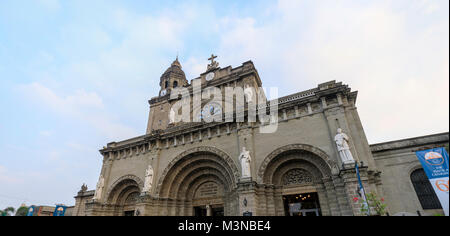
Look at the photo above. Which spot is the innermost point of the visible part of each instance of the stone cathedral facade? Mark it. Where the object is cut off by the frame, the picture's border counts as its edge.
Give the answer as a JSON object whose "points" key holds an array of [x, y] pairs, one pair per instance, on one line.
{"points": [[194, 167]]}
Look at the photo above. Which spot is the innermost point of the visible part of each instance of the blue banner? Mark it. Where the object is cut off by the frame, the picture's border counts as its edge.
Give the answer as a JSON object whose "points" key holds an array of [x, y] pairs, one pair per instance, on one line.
{"points": [[30, 211], [60, 210], [435, 163]]}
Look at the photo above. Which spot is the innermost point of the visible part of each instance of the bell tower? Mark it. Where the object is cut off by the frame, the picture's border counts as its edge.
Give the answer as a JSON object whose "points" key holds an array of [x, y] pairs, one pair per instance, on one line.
{"points": [[172, 78]]}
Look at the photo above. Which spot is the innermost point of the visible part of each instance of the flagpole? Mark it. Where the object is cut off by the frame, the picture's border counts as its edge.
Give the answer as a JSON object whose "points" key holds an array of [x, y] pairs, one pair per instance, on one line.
{"points": [[362, 187]]}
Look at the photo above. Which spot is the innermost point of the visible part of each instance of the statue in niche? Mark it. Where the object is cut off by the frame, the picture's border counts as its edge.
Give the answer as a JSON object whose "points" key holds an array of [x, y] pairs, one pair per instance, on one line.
{"points": [[248, 91], [172, 116], [99, 188], [148, 179], [245, 160], [343, 148]]}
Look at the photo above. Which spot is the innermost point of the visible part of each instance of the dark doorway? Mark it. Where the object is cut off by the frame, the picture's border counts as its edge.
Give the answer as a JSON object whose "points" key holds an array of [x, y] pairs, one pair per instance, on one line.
{"points": [[129, 213], [305, 204], [199, 211], [215, 211]]}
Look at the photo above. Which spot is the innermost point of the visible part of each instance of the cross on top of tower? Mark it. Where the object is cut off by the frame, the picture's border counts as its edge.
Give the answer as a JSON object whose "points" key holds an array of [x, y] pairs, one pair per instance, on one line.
{"points": [[214, 64], [212, 58]]}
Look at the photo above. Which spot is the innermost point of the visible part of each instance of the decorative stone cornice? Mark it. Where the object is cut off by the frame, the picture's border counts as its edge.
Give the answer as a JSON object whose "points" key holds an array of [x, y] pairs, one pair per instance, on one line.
{"points": [[433, 140], [293, 101]]}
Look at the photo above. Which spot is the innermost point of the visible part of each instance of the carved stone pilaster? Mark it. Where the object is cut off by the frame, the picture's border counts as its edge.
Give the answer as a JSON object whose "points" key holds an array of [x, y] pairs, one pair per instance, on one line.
{"points": [[247, 197], [351, 187]]}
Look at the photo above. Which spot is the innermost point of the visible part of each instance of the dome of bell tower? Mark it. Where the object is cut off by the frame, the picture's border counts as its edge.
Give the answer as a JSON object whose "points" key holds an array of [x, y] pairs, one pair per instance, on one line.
{"points": [[173, 77]]}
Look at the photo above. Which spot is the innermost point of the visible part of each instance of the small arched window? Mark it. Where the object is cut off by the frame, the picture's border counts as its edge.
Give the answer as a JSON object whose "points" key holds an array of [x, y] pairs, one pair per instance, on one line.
{"points": [[166, 84], [424, 190], [175, 84]]}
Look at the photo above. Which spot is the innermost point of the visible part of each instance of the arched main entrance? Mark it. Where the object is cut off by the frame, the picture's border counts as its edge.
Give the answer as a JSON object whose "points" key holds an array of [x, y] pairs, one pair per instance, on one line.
{"points": [[123, 195], [200, 181], [298, 172]]}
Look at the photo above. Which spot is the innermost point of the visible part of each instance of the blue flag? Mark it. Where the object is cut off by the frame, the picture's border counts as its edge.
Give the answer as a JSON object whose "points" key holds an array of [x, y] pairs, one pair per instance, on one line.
{"points": [[435, 164], [361, 189]]}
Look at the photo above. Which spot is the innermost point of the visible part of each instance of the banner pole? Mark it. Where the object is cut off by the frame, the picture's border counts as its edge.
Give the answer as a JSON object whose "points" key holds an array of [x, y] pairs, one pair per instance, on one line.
{"points": [[362, 188]]}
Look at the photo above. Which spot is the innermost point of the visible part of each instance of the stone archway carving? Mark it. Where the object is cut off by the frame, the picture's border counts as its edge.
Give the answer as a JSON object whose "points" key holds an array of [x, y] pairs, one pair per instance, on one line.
{"points": [[119, 181], [325, 164], [203, 149]]}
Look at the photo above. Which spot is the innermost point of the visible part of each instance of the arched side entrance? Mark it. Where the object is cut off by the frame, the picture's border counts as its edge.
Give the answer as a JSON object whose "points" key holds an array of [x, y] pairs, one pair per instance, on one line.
{"points": [[199, 181], [123, 194], [302, 177]]}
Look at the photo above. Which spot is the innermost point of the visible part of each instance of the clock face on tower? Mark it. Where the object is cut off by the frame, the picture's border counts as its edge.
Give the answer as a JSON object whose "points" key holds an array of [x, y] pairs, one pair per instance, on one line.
{"points": [[210, 76], [210, 110], [163, 92]]}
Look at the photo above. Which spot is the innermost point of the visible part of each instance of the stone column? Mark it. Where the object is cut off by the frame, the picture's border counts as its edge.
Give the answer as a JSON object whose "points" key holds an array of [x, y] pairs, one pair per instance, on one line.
{"points": [[247, 196], [94, 208], [208, 210], [323, 199], [351, 187], [278, 200], [342, 197], [145, 205], [270, 200], [262, 201], [333, 202]]}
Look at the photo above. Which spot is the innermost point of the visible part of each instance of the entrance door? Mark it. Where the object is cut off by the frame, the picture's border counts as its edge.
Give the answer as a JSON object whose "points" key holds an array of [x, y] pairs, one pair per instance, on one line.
{"points": [[304, 204], [129, 213], [199, 211], [216, 210]]}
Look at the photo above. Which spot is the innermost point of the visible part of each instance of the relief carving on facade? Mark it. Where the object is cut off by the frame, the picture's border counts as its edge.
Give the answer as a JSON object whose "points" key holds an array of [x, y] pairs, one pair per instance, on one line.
{"points": [[297, 176]]}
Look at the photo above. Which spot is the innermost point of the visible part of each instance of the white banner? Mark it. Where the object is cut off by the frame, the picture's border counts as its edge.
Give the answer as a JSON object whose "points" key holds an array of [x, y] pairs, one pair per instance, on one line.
{"points": [[440, 186]]}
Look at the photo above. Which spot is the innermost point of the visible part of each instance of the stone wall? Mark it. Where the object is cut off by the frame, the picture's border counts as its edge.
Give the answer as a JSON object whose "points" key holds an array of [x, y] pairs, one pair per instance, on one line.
{"points": [[80, 202]]}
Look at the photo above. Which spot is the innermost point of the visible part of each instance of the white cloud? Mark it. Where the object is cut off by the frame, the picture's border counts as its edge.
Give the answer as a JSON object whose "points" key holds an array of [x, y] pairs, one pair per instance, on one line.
{"points": [[84, 106], [400, 69], [375, 47]]}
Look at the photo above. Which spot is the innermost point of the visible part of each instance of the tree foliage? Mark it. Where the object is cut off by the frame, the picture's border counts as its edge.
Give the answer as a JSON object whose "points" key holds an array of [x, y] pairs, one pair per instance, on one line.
{"points": [[7, 211], [22, 211], [375, 204]]}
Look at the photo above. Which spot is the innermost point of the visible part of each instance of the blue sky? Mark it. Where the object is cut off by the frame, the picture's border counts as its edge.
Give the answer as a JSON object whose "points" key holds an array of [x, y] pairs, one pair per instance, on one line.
{"points": [[75, 75]]}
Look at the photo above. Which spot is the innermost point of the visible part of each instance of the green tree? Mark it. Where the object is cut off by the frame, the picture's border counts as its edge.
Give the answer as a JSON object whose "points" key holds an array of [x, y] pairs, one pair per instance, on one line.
{"points": [[22, 211], [7, 211], [376, 205]]}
